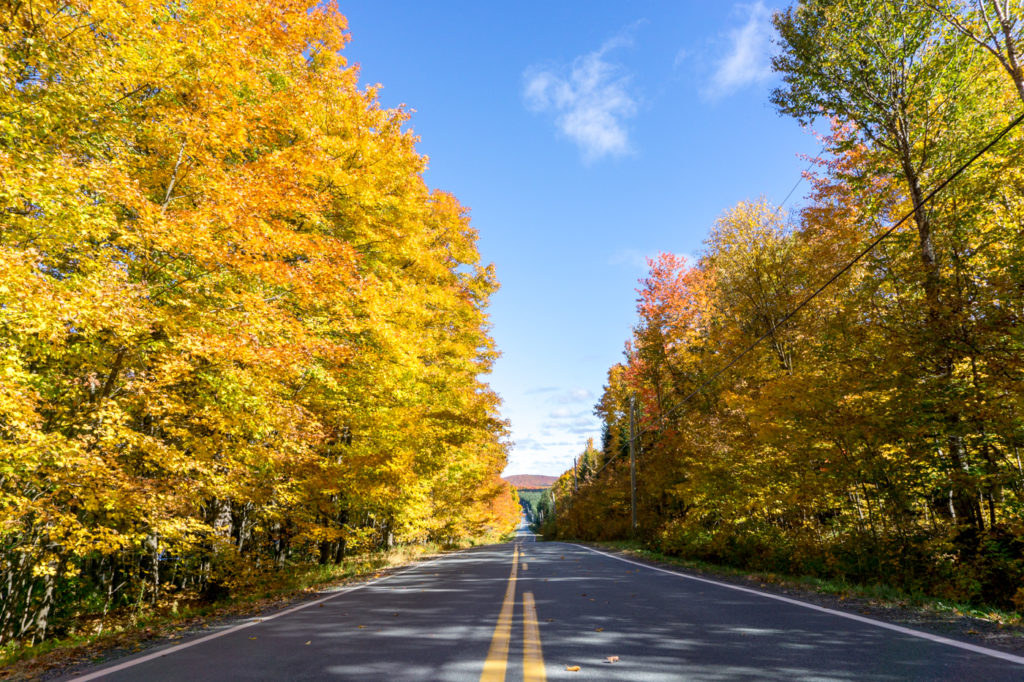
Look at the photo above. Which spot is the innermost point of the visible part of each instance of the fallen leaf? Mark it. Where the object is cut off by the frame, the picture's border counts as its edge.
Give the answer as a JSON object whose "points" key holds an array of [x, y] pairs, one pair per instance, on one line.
{"points": [[321, 606], [551, 620], [309, 642], [252, 638], [598, 629], [612, 659], [572, 668]]}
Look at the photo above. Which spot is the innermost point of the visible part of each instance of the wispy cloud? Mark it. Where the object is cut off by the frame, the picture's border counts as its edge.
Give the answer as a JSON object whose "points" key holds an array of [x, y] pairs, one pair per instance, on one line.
{"points": [[568, 413], [640, 260], [748, 61], [547, 442], [591, 100], [631, 258], [573, 396], [681, 56]]}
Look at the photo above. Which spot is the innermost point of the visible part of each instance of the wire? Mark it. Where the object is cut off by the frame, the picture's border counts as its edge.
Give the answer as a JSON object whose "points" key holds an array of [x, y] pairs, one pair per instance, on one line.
{"points": [[839, 273], [799, 180], [778, 209]]}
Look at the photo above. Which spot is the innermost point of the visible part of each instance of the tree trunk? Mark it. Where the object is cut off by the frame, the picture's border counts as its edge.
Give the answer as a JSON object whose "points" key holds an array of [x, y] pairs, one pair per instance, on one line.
{"points": [[966, 507]]}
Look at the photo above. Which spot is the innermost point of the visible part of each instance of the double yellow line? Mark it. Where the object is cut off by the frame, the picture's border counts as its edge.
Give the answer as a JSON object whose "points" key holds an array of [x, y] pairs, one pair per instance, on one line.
{"points": [[497, 655]]}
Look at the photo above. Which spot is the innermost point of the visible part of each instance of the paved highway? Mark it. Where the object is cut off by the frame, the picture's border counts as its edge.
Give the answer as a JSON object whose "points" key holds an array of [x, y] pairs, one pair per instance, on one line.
{"points": [[531, 611]]}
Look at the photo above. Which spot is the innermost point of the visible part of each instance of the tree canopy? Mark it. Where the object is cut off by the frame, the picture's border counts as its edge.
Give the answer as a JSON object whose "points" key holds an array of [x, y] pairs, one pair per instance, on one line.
{"points": [[877, 434], [237, 330]]}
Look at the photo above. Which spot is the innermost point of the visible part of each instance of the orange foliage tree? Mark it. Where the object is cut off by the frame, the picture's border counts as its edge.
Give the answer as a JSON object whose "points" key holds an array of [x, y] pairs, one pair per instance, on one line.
{"points": [[236, 328], [877, 434]]}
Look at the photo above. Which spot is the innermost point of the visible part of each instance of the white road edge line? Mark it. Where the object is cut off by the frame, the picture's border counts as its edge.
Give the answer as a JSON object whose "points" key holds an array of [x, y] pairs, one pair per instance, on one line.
{"points": [[1019, 660], [255, 621]]}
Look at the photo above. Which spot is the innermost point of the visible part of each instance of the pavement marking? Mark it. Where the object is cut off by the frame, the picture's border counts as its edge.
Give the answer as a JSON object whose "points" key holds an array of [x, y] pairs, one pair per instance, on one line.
{"points": [[497, 655], [533, 656], [103, 672], [1019, 660]]}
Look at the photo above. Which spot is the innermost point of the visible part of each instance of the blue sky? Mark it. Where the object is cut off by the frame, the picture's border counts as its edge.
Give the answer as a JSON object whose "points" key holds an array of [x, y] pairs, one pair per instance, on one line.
{"points": [[584, 137]]}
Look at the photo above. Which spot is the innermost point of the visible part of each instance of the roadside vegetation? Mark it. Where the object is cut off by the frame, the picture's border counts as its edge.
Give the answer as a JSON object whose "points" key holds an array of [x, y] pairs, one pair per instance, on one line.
{"points": [[875, 437]]}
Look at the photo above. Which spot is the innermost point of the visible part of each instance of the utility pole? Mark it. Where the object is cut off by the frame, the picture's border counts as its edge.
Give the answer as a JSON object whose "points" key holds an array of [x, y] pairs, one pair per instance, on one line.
{"points": [[632, 463]]}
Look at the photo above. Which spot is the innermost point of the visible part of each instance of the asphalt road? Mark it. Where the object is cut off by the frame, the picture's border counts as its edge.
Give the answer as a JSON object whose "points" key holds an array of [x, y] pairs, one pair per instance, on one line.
{"points": [[472, 616]]}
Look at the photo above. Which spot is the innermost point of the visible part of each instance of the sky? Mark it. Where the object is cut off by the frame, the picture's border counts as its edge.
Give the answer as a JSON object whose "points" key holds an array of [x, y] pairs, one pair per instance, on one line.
{"points": [[584, 137]]}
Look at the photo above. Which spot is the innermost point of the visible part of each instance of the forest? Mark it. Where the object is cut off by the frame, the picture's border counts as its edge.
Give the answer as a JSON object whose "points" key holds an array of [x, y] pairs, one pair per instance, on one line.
{"points": [[873, 435], [238, 333]]}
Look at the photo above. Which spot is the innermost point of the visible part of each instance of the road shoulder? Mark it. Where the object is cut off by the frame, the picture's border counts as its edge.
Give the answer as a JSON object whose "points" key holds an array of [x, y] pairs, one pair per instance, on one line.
{"points": [[946, 622]]}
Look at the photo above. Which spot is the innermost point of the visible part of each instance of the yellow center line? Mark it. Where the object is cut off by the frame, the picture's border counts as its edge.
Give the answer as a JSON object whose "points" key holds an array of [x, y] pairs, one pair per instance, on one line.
{"points": [[497, 655], [533, 657]]}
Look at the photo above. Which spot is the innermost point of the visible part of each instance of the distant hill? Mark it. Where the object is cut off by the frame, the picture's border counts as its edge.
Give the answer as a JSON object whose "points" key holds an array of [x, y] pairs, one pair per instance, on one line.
{"points": [[530, 481]]}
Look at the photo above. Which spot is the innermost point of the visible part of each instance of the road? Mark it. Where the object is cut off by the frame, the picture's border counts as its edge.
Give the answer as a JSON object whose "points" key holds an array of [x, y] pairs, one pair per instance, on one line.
{"points": [[529, 611]]}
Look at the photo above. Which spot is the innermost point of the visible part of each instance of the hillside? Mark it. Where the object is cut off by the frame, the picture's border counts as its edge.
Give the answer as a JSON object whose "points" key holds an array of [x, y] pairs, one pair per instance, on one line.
{"points": [[530, 481]]}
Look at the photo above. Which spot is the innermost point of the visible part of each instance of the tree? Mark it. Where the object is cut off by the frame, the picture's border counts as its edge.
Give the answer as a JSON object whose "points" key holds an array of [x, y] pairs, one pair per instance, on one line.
{"points": [[888, 69], [993, 25]]}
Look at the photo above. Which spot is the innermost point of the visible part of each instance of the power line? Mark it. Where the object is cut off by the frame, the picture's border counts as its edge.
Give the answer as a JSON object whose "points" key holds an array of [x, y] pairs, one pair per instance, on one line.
{"points": [[799, 180], [775, 214], [839, 273]]}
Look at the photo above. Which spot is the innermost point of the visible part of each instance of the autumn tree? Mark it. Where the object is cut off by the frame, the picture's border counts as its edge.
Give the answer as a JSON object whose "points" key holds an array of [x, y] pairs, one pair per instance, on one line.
{"points": [[238, 331]]}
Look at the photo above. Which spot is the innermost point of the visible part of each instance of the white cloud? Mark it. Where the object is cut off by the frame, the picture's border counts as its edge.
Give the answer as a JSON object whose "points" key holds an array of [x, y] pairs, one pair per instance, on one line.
{"points": [[629, 257], [749, 59], [681, 56], [547, 438], [572, 396], [591, 101], [567, 413], [639, 260]]}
